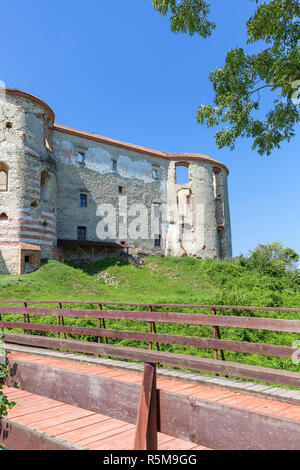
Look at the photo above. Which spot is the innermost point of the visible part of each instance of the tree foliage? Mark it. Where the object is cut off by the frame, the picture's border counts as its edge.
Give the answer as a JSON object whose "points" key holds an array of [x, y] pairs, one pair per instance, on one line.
{"points": [[273, 259], [242, 80], [186, 16]]}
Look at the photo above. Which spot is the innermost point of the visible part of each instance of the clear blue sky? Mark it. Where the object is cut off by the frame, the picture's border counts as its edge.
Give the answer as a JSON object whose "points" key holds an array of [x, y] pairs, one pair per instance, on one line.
{"points": [[114, 68]]}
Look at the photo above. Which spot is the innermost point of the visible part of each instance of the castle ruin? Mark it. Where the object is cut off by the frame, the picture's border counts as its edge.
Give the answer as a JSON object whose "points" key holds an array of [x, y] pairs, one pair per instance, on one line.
{"points": [[53, 179]]}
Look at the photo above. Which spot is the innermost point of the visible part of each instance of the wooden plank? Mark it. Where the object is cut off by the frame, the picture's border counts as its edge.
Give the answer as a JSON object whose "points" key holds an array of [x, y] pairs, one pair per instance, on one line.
{"points": [[146, 427], [233, 369], [272, 324], [208, 343], [108, 397], [223, 427], [204, 422], [16, 436], [138, 304]]}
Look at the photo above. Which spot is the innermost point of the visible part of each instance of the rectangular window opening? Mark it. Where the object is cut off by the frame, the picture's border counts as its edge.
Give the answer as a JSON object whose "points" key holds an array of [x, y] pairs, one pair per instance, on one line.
{"points": [[157, 240], [155, 172], [83, 200], [81, 233], [182, 174]]}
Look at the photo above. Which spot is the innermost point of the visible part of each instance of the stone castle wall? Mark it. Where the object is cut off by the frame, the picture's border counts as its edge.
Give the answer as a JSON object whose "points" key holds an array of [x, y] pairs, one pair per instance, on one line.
{"points": [[46, 169], [100, 183]]}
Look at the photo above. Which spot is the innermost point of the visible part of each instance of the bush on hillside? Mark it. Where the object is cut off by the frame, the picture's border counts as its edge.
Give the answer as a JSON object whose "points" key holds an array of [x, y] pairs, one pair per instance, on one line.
{"points": [[272, 259]]}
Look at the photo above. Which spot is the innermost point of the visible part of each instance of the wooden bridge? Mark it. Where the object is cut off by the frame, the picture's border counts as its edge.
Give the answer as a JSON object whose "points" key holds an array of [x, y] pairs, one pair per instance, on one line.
{"points": [[86, 401]]}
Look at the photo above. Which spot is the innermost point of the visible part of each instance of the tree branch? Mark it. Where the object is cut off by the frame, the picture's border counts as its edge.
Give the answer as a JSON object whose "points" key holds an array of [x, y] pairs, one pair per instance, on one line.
{"points": [[266, 86]]}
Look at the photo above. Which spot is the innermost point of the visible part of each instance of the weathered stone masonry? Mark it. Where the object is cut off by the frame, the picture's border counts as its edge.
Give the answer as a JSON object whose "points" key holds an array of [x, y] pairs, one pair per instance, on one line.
{"points": [[53, 179]]}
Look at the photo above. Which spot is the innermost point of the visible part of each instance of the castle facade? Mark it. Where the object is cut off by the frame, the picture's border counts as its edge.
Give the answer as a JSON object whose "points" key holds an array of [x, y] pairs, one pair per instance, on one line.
{"points": [[70, 195]]}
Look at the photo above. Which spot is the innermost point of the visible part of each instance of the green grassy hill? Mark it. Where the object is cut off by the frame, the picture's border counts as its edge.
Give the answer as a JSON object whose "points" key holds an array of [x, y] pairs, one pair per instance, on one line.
{"points": [[164, 280], [169, 280]]}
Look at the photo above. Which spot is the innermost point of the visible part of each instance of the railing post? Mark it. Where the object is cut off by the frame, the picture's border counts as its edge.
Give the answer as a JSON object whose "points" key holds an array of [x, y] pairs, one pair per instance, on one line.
{"points": [[104, 327], [217, 335], [150, 326], [26, 318], [63, 324], [60, 320], [146, 428], [154, 329], [99, 324]]}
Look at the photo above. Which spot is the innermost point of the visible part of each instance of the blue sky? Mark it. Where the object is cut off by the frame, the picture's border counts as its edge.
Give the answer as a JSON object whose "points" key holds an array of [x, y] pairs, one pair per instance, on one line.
{"points": [[114, 68]]}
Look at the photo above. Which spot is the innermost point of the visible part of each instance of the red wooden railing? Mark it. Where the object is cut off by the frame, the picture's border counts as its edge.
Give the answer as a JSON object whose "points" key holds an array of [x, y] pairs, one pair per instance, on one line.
{"points": [[150, 419], [153, 337]]}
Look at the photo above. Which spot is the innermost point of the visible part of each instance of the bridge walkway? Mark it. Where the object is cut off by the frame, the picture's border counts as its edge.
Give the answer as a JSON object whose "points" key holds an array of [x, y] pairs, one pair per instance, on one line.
{"points": [[98, 432]]}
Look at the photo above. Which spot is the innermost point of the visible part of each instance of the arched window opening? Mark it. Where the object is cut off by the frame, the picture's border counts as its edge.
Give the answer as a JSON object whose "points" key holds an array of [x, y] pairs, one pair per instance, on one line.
{"points": [[3, 177], [44, 186], [182, 173], [3, 217]]}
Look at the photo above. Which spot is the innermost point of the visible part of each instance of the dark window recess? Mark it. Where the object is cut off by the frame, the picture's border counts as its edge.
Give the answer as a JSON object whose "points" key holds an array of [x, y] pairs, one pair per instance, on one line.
{"points": [[121, 189], [155, 173], [113, 165], [83, 200], [80, 157], [81, 233], [157, 240], [27, 259]]}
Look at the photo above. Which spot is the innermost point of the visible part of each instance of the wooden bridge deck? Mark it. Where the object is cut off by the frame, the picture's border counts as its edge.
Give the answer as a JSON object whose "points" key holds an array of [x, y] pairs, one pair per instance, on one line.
{"points": [[98, 432]]}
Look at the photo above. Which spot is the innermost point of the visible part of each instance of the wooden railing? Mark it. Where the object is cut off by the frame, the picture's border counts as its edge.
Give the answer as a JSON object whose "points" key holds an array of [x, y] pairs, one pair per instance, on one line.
{"points": [[216, 366], [157, 410]]}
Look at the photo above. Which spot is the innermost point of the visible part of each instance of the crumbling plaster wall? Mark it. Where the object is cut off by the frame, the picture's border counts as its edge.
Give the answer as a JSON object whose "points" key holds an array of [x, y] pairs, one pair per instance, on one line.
{"points": [[100, 182]]}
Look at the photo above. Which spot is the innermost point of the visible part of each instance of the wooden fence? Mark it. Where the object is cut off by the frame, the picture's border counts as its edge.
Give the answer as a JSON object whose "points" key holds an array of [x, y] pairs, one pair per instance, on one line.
{"points": [[155, 410]]}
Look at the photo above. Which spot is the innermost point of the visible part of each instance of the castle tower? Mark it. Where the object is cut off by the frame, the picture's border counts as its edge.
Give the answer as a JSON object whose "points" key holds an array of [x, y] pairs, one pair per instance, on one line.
{"points": [[198, 208], [27, 183]]}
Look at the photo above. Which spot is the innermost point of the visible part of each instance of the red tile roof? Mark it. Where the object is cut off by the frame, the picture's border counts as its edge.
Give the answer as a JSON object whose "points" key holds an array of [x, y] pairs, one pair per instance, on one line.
{"points": [[138, 148], [116, 143]]}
